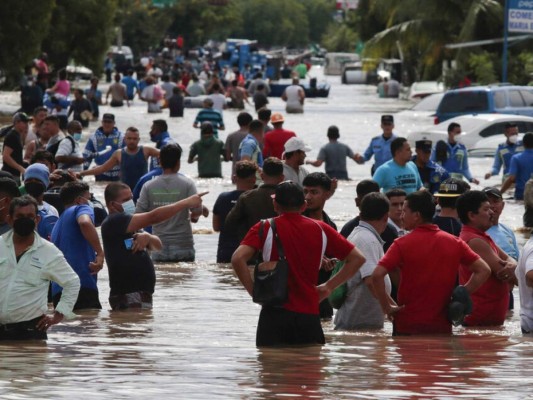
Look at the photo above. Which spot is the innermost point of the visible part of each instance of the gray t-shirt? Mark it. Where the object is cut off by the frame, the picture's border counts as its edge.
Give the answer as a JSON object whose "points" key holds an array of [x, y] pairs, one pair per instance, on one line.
{"points": [[361, 310], [334, 155], [233, 141], [168, 189]]}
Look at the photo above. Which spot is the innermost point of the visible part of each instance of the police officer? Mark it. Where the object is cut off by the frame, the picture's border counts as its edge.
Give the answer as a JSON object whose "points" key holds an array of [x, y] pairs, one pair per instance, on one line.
{"points": [[431, 173], [505, 151], [379, 146]]}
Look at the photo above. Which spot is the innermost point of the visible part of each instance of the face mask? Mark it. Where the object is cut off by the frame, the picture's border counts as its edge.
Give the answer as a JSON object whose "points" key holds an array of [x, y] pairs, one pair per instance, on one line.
{"points": [[35, 189], [77, 137], [458, 138], [24, 226], [513, 139], [129, 207]]}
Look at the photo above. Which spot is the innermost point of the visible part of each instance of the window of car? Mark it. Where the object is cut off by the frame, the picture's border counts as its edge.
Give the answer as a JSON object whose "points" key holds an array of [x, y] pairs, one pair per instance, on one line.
{"points": [[493, 129], [524, 126], [464, 102], [499, 99], [515, 99], [528, 97], [430, 103]]}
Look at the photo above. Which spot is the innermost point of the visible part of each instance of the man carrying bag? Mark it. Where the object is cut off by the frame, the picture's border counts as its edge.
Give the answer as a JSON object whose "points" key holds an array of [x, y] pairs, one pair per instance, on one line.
{"points": [[296, 321]]}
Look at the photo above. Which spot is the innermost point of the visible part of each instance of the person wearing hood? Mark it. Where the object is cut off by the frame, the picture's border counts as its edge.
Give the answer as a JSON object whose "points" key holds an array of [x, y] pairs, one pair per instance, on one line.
{"points": [[106, 135], [505, 151], [160, 136], [208, 151]]}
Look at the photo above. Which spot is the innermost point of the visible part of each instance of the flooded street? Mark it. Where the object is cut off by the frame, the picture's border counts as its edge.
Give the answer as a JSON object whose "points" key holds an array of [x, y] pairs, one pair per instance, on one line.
{"points": [[198, 342]]}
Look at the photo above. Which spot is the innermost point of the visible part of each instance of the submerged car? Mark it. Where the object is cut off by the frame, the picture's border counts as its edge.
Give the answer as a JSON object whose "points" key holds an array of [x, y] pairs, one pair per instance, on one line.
{"points": [[418, 116]]}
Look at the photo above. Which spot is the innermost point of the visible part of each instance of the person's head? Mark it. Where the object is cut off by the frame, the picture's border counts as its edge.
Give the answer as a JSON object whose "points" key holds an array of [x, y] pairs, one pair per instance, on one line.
{"points": [[165, 78], [50, 127], [454, 130], [94, 82], [317, 190], [245, 173], [215, 87], [75, 193], [208, 103], [234, 83], [117, 77], [277, 120], [257, 129], [62, 74], [272, 172], [528, 140], [449, 192], [23, 216], [129, 72], [132, 138], [260, 87], [375, 209], [295, 151], [295, 81], [396, 199], [244, 119], [158, 126], [473, 208], [418, 209], [496, 202], [176, 90], [206, 130], [75, 129], [108, 122], [423, 150], [78, 94], [288, 197], [387, 124], [36, 180], [44, 157], [8, 191], [333, 133], [264, 114], [511, 132], [118, 198], [401, 151], [39, 114], [170, 156], [20, 122], [363, 188]]}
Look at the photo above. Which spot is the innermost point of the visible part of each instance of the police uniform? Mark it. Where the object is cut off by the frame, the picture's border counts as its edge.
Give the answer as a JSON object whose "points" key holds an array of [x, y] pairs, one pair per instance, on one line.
{"points": [[503, 155], [379, 146], [432, 174], [456, 162]]}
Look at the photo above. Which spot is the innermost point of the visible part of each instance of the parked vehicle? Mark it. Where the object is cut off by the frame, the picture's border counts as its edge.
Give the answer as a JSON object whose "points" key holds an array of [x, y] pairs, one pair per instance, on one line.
{"points": [[420, 90], [419, 115], [504, 99], [335, 62], [474, 128], [122, 57], [352, 73], [486, 147]]}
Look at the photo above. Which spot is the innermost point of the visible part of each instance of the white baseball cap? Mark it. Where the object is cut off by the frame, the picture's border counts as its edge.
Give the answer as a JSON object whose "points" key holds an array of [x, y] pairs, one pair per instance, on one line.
{"points": [[295, 144]]}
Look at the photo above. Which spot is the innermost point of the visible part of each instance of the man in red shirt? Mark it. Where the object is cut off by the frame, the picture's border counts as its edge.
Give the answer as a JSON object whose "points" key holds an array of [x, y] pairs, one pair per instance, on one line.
{"points": [[275, 140], [491, 301], [429, 261], [304, 241]]}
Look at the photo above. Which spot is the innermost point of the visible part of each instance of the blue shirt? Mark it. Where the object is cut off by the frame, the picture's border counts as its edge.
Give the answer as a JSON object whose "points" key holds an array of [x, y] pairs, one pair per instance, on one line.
{"points": [[392, 175], [379, 147], [432, 175], [503, 155], [456, 161], [522, 169], [160, 140], [504, 237], [250, 147], [131, 85], [98, 142]]}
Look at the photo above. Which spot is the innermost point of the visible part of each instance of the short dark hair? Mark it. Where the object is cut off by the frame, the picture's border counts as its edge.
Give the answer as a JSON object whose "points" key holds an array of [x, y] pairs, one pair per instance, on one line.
{"points": [[37, 110], [421, 202], [72, 190], [215, 86], [256, 126], [112, 190], [161, 124], [52, 118], [273, 166], [366, 186], [264, 114], [318, 179], [397, 144], [528, 140], [23, 201], [244, 118], [396, 192], [374, 206], [333, 132], [452, 126], [245, 169], [42, 155], [170, 155], [470, 202], [9, 188]]}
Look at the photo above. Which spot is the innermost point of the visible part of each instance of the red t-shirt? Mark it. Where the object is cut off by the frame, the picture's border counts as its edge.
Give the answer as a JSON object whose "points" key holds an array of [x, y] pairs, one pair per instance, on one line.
{"points": [[304, 243], [491, 300], [274, 142], [429, 261]]}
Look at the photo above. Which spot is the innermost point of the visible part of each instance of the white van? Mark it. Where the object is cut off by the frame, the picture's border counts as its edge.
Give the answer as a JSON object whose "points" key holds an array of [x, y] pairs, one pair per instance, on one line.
{"points": [[335, 62]]}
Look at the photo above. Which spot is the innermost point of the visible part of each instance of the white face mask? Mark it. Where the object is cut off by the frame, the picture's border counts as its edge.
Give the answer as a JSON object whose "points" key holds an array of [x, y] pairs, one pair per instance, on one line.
{"points": [[129, 207], [513, 139], [458, 138]]}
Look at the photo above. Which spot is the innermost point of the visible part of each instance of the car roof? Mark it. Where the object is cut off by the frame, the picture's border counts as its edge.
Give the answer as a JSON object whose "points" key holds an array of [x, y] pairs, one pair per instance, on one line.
{"points": [[471, 120], [487, 88]]}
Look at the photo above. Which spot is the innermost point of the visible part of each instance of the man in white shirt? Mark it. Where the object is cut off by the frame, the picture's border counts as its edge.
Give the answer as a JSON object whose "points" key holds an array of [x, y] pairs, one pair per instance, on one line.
{"points": [[295, 153], [28, 263]]}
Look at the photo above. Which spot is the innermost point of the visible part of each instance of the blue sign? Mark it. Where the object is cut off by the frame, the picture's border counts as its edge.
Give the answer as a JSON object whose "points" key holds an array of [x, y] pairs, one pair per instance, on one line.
{"points": [[520, 16]]}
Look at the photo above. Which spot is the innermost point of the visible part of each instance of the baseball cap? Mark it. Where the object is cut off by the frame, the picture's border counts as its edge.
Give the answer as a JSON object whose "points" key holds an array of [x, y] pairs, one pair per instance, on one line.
{"points": [[387, 119], [20, 117], [289, 194], [108, 117], [38, 171], [424, 145], [295, 144], [451, 188], [492, 191], [276, 118]]}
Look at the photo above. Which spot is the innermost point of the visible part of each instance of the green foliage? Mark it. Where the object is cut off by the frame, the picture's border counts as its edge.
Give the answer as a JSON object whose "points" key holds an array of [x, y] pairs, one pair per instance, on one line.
{"points": [[520, 68], [23, 24], [319, 17], [339, 37], [482, 66]]}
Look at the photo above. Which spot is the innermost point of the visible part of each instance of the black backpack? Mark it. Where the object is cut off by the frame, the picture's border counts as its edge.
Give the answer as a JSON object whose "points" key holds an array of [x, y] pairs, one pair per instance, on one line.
{"points": [[53, 148]]}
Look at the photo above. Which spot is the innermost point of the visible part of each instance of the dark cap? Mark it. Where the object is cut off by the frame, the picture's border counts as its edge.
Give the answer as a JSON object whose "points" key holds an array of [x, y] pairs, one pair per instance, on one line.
{"points": [[452, 187], [108, 117], [387, 119], [494, 192], [20, 117], [289, 194], [424, 145]]}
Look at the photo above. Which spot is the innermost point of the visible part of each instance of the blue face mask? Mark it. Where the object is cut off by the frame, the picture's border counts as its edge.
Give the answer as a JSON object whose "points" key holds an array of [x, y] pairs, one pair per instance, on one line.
{"points": [[77, 137], [129, 207]]}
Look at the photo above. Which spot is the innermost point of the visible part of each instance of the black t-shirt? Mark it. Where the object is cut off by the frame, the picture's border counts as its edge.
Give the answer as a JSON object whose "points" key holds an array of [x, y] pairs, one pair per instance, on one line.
{"points": [[227, 240], [448, 224], [128, 272], [14, 141]]}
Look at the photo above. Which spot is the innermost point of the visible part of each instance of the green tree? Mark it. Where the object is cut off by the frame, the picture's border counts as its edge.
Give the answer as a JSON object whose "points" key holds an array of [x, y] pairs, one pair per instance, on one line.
{"points": [[23, 24], [482, 66], [319, 16], [339, 37]]}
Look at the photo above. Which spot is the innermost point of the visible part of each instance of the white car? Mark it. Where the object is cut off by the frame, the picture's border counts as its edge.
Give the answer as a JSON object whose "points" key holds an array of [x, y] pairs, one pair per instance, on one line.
{"points": [[486, 147], [419, 116], [420, 90], [475, 128]]}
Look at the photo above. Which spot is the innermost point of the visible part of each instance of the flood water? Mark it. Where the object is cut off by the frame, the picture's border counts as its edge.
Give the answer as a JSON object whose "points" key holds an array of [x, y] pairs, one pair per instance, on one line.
{"points": [[198, 342]]}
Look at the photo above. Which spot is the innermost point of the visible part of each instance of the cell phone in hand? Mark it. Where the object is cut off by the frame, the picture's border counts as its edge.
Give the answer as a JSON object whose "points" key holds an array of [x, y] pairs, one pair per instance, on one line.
{"points": [[128, 243]]}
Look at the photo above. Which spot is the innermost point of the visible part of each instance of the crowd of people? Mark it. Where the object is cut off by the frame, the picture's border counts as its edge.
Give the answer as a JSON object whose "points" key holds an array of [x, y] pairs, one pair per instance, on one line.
{"points": [[425, 251]]}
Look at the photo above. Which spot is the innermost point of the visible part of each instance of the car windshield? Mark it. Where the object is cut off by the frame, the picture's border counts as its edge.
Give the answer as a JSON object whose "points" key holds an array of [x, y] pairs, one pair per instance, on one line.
{"points": [[429, 103], [464, 102]]}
